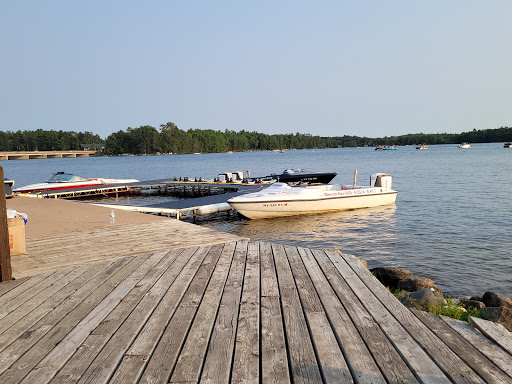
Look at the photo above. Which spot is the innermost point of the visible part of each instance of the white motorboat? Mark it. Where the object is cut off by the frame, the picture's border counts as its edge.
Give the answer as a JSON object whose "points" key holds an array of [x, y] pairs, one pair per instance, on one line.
{"points": [[281, 199], [464, 145], [508, 144], [62, 180]]}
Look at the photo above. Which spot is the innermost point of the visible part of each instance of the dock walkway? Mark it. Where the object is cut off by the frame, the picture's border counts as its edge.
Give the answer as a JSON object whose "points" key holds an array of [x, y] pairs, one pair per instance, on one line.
{"points": [[234, 312]]}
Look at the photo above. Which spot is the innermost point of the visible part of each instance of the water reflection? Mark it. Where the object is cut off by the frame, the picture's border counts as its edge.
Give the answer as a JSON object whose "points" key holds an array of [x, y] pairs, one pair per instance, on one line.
{"points": [[363, 228]]}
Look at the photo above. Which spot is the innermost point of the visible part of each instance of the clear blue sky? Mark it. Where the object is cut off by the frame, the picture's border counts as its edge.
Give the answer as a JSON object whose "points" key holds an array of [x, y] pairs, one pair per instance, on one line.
{"points": [[367, 68]]}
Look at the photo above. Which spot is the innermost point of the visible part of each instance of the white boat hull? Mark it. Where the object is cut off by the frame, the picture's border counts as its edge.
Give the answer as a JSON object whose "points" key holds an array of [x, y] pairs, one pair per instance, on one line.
{"points": [[279, 204]]}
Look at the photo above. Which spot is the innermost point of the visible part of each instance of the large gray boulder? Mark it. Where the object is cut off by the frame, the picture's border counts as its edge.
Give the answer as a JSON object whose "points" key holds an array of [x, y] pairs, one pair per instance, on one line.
{"points": [[390, 276], [423, 299]]}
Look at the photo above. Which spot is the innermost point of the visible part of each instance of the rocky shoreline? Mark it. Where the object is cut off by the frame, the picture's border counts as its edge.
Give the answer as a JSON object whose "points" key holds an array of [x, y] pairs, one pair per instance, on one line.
{"points": [[422, 293]]}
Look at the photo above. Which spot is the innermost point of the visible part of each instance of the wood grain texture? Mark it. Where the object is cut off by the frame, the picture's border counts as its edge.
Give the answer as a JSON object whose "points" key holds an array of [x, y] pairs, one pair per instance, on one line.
{"points": [[422, 349], [493, 352], [217, 366], [496, 332], [363, 367], [486, 369], [303, 363]]}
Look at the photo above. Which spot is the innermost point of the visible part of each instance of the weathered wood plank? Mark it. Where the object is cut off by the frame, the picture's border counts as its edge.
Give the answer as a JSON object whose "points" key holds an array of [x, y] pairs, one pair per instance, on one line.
{"points": [[139, 353], [217, 366], [391, 364], [493, 352], [331, 360], [33, 334], [107, 343], [17, 296], [269, 287], [246, 360], [303, 362], [485, 368], [56, 358], [60, 322], [163, 359], [425, 353], [496, 332], [58, 281], [192, 355], [6, 286], [361, 363], [21, 320], [274, 358]]}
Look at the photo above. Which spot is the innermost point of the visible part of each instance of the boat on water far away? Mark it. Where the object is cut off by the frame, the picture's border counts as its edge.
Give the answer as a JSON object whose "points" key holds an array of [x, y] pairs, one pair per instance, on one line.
{"points": [[385, 148], [281, 199], [62, 180], [508, 144], [423, 146], [464, 145]]}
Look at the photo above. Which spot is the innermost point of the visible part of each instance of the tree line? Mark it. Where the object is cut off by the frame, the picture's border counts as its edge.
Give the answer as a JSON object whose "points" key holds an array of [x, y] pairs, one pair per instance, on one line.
{"points": [[170, 139], [41, 140]]}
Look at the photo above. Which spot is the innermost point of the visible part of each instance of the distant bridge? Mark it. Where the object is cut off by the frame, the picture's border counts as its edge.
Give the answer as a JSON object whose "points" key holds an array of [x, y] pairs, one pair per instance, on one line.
{"points": [[44, 155]]}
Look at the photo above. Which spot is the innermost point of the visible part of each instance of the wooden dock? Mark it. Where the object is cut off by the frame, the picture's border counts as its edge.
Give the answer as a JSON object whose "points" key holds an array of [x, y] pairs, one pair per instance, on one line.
{"points": [[233, 312]]}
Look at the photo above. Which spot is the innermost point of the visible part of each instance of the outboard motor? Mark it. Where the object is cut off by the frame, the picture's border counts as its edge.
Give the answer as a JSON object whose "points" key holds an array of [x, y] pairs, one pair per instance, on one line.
{"points": [[381, 180]]}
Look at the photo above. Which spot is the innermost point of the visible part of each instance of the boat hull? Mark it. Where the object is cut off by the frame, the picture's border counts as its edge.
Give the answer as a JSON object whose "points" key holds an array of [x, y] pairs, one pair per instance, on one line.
{"points": [[280, 208]]}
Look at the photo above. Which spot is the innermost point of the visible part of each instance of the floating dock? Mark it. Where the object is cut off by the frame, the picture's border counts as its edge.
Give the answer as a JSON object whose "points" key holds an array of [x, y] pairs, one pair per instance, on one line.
{"points": [[212, 196], [231, 313]]}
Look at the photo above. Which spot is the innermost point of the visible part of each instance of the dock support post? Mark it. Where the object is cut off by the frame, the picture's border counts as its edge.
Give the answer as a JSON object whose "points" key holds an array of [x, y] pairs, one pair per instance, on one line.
{"points": [[177, 215], [5, 252], [195, 216]]}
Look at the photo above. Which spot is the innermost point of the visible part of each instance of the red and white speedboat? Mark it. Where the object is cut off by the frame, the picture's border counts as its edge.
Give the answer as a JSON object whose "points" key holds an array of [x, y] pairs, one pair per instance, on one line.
{"points": [[61, 180]]}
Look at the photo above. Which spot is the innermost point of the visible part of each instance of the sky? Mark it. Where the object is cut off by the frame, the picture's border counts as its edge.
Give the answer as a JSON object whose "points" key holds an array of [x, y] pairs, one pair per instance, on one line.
{"points": [[329, 68]]}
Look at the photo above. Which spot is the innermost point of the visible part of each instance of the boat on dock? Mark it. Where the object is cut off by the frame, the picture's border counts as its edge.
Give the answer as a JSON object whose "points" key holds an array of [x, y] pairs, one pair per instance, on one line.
{"points": [[61, 180], [297, 176], [281, 199]]}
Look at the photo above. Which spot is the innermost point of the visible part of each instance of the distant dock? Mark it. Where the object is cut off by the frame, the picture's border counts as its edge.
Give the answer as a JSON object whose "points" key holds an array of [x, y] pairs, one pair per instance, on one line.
{"points": [[27, 155]]}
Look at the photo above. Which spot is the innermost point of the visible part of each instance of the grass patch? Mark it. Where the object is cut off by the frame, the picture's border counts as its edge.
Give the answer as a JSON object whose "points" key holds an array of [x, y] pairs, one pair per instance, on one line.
{"points": [[450, 309]]}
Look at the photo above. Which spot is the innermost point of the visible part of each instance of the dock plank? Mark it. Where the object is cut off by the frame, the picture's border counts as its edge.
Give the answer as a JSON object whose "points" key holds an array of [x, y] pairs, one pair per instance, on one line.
{"points": [[390, 362], [189, 364], [493, 352], [139, 353], [358, 357], [303, 363], [274, 358], [496, 332], [23, 319], [217, 366], [165, 355], [487, 370], [108, 342], [246, 360], [56, 358], [83, 299], [432, 354], [331, 360]]}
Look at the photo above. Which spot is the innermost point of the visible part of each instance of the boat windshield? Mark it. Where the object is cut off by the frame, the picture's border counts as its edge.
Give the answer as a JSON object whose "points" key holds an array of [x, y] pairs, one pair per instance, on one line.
{"points": [[61, 177]]}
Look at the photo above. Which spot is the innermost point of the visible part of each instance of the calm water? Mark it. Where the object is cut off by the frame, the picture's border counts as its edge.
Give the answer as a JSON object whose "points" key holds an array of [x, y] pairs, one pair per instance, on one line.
{"points": [[450, 223]]}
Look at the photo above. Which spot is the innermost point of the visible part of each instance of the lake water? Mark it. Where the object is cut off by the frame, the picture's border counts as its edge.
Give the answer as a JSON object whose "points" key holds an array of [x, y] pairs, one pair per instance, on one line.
{"points": [[451, 221]]}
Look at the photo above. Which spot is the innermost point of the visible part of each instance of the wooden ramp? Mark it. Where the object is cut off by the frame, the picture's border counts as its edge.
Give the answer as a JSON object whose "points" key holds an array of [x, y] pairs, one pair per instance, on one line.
{"points": [[236, 312]]}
